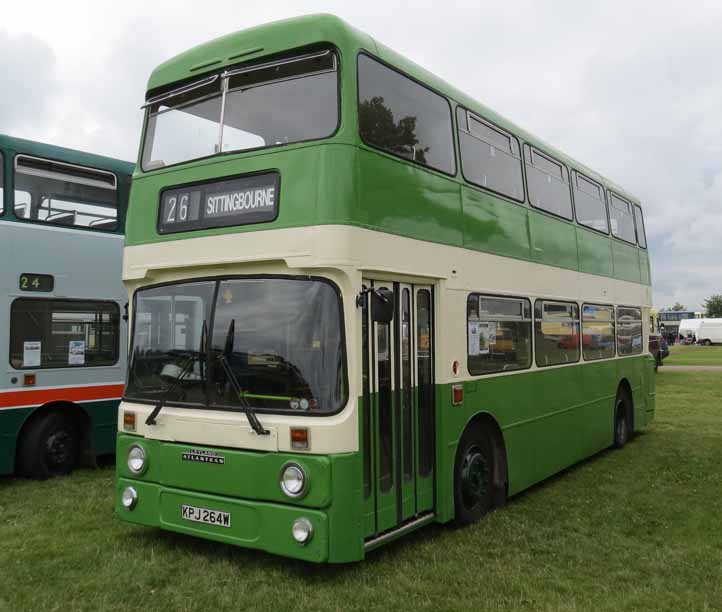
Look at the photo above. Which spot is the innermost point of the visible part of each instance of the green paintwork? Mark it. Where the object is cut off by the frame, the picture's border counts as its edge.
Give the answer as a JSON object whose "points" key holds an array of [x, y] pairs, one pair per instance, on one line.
{"points": [[340, 180], [103, 426], [535, 411], [248, 483], [9, 147]]}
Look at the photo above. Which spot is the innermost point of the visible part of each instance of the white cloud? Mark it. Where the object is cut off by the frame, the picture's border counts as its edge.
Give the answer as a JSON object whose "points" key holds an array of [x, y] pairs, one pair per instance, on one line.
{"points": [[628, 87]]}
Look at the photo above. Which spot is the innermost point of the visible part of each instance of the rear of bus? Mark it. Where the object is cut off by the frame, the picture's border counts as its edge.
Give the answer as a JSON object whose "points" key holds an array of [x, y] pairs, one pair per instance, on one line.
{"points": [[239, 421]]}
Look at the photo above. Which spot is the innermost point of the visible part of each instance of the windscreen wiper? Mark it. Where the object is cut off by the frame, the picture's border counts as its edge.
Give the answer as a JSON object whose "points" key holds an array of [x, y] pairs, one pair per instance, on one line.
{"points": [[193, 356], [250, 413]]}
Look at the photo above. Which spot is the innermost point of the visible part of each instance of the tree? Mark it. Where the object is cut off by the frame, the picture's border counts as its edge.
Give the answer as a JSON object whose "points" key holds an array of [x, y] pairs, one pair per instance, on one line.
{"points": [[713, 306], [678, 307], [378, 127]]}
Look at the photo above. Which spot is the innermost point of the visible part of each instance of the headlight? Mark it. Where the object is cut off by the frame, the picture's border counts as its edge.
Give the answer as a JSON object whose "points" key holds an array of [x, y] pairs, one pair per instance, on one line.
{"points": [[129, 498], [302, 530], [137, 462], [294, 481]]}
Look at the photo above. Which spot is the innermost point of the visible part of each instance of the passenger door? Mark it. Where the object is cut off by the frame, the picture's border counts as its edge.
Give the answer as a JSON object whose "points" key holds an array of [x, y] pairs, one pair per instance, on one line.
{"points": [[397, 409]]}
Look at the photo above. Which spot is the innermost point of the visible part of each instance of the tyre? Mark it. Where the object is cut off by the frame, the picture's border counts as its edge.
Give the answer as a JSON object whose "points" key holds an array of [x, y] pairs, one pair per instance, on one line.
{"points": [[707, 343], [474, 493], [49, 447], [622, 419]]}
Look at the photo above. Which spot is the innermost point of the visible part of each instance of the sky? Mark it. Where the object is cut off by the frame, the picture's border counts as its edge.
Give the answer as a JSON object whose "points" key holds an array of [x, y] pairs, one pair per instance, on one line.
{"points": [[629, 88]]}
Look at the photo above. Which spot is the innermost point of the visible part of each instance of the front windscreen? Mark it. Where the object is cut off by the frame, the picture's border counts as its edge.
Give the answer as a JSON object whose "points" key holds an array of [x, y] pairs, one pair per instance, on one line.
{"points": [[281, 338], [263, 105]]}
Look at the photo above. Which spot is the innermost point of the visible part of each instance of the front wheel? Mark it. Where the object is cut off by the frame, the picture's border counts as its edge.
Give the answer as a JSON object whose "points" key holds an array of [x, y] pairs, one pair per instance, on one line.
{"points": [[50, 447], [473, 476], [707, 343]]}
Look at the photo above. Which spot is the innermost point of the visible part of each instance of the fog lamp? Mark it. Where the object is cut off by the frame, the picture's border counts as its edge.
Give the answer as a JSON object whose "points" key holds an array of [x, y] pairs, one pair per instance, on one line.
{"points": [[302, 530], [129, 498]]}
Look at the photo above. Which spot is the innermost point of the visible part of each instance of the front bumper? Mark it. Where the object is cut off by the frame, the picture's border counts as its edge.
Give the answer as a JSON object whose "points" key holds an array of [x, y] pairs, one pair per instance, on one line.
{"points": [[254, 524]]}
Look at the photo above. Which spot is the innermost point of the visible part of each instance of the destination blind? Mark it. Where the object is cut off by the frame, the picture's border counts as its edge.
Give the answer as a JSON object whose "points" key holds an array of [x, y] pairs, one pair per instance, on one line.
{"points": [[229, 202]]}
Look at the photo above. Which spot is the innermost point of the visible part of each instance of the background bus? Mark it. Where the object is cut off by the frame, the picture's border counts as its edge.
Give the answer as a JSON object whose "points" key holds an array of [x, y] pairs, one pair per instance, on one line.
{"points": [[62, 337], [362, 301]]}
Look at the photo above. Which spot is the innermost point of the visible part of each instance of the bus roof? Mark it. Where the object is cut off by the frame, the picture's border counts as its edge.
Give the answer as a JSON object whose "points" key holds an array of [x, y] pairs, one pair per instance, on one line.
{"points": [[279, 36], [73, 156]]}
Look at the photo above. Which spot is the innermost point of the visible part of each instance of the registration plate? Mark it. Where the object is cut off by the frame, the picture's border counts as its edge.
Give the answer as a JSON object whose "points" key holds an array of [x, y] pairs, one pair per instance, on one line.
{"points": [[205, 515]]}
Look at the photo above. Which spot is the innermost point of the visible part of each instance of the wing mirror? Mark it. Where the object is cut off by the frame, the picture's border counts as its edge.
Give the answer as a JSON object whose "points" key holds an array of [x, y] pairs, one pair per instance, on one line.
{"points": [[382, 305]]}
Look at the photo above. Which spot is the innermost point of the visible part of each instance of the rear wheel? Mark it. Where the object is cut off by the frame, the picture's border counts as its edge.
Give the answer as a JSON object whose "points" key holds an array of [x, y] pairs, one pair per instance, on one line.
{"points": [[50, 447], [622, 419], [473, 475]]}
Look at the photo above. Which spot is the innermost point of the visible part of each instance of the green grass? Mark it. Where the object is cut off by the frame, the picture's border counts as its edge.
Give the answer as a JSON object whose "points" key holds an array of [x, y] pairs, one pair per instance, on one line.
{"points": [[632, 530], [694, 355]]}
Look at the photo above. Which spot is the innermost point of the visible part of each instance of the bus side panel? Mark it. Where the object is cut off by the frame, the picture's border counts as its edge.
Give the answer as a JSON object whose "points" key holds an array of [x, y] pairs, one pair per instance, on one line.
{"points": [[645, 272], [553, 241], [595, 253], [558, 408], [396, 197], [11, 421], [345, 514], [626, 262], [104, 424], [494, 226]]}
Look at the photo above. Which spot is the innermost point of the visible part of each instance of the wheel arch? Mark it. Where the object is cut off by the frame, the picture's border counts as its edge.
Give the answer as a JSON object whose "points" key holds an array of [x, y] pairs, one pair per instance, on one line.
{"points": [[79, 416], [625, 387], [488, 423]]}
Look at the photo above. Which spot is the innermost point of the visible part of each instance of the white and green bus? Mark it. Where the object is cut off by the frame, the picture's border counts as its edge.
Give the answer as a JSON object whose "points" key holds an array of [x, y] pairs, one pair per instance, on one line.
{"points": [[62, 336], [361, 301]]}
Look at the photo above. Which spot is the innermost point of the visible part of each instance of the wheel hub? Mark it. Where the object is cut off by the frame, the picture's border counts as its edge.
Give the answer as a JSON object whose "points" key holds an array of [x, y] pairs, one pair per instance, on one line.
{"points": [[57, 447], [474, 477]]}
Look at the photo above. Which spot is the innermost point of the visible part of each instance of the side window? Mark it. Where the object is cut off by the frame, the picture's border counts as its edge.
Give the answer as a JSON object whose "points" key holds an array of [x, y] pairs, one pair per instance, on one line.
{"points": [[401, 116], [490, 157], [629, 330], [498, 334], [639, 224], [597, 332], [620, 216], [2, 184], [63, 194], [589, 203], [556, 332], [548, 183], [63, 333]]}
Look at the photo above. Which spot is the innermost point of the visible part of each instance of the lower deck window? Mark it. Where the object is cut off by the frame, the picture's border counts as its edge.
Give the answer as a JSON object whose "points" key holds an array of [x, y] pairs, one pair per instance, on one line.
{"points": [[597, 332], [63, 333], [556, 327], [498, 334], [629, 330]]}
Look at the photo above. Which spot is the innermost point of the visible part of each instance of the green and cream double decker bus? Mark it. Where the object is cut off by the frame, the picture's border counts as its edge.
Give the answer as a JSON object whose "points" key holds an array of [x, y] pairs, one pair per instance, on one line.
{"points": [[361, 301]]}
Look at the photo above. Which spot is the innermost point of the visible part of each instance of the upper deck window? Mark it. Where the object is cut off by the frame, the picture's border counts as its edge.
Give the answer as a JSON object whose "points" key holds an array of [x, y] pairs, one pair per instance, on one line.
{"points": [[589, 203], [257, 106], [403, 117], [64, 194], [620, 215], [548, 182], [639, 223], [490, 156]]}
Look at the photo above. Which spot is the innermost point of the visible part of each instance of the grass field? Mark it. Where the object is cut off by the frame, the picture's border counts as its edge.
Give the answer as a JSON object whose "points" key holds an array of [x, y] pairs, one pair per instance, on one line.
{"points": [[632, 530], [694, 355]]}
